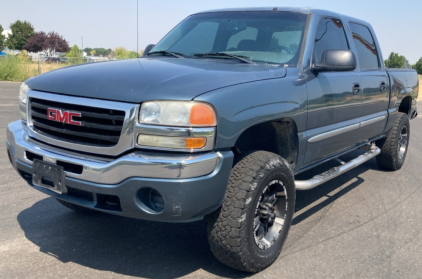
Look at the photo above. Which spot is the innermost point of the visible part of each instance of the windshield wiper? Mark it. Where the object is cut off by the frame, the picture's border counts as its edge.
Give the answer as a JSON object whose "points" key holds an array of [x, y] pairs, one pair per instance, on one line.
{"points": [[175, 54], [242, 58]]}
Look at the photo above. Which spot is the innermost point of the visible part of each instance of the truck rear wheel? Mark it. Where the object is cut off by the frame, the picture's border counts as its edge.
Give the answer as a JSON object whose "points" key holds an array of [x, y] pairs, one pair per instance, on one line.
{"points": [[394, 146], [248, 232]]}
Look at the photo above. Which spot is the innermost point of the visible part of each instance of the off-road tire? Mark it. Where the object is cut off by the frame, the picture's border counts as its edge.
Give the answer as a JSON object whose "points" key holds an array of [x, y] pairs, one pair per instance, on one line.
{"points": [[77, 208], [231, 228], [389, 158]]}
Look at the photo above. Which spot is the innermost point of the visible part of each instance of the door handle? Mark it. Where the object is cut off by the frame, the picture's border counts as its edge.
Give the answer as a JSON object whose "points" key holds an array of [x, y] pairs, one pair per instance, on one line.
{"points": [[383, 86], [356, 88]]}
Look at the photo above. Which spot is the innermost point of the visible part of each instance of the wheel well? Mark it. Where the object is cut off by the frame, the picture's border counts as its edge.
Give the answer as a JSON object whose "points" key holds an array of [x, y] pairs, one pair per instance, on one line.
{"points": [[278, 136], [406, 105]]}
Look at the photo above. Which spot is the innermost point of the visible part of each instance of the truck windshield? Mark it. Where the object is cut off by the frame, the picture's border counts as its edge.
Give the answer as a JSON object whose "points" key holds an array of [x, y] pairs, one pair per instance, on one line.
{"points": [[267, 37]]}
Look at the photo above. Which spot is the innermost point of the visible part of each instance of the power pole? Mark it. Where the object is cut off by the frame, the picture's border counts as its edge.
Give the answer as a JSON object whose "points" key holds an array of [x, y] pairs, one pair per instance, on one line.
{"points": [[137, 27]]}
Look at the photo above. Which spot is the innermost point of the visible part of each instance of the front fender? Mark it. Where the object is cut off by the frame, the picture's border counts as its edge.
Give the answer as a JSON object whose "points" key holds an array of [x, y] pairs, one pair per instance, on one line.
{"points": [[245, 105]]}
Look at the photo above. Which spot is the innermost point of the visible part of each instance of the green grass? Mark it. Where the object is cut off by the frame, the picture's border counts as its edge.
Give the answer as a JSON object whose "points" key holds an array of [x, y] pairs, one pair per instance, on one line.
{"points": [[14, 69]]}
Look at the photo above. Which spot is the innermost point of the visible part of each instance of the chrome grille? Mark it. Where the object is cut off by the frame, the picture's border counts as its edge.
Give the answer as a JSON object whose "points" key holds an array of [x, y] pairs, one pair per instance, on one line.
{"points": [[99, 126]]}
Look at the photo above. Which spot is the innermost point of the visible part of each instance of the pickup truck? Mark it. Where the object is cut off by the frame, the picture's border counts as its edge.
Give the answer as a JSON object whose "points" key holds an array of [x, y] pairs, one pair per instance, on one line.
{"points": [[214, 122]]}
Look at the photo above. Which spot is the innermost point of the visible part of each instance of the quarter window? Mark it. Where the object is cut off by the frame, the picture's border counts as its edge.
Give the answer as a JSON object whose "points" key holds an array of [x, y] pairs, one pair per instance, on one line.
{"points": [[365, 47], [330, 35]]}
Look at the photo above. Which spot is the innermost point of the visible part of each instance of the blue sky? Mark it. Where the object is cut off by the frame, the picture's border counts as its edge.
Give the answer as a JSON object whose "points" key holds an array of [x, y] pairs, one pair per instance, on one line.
{"points": [[112, 23]]}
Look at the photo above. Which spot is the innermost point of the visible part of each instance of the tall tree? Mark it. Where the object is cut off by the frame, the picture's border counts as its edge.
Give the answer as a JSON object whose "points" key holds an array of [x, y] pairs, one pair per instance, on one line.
{"points": [[55, 42], [36, 43], [2, 38], [49, 43], [396, 60], [418, 66], [21, 32]]}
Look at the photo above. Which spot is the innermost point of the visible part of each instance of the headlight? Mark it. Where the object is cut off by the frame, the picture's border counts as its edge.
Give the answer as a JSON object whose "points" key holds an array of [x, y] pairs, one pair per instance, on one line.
{"points": [[23, 94], [177, 113], [23, 100]]}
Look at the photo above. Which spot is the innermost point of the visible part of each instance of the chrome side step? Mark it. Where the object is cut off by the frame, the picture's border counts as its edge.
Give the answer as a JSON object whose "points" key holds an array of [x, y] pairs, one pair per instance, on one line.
{"points": [[336, 171]]}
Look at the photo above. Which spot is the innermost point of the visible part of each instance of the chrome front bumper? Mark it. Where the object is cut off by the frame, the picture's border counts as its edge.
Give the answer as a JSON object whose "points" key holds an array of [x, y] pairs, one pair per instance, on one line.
{"points": [[113, 171]]}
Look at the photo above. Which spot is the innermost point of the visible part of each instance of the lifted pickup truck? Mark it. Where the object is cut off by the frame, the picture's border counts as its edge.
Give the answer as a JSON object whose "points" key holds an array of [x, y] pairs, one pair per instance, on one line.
{"points": [[214, 122]]}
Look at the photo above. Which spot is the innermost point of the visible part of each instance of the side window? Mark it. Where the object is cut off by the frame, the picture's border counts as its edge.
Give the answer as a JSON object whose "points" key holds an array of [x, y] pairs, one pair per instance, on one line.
{"points": [[330, 35], [365, 47], [249, 34]]}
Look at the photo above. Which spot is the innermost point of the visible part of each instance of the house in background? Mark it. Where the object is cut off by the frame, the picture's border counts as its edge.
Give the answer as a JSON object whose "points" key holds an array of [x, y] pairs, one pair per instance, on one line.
{"points": [[6, 33]]}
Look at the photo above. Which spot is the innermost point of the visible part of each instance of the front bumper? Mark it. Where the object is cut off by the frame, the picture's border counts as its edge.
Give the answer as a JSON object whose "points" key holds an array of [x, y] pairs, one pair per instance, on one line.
{"points": [[190, 186]]}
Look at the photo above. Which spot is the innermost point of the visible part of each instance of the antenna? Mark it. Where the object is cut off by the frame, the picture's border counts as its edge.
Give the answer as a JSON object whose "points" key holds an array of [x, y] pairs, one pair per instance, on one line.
{"points": [[137, 27]]}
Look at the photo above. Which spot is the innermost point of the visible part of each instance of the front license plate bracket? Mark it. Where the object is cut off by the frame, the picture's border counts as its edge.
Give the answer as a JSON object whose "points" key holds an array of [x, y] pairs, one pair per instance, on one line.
{"points": [[48, 175]]}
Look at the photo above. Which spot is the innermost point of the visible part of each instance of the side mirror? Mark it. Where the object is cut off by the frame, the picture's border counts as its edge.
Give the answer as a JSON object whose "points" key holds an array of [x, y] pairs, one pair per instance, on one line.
{"points": [[148, 49], [336, 60]]}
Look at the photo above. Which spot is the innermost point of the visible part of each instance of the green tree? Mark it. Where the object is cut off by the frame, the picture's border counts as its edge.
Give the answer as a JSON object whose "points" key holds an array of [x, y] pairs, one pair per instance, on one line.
{"points": [[2, 38], [132, 54], [92, 52], [21, 32], [396, 60], [418, 66], [74, 52], [121, 53], [87, 50]]}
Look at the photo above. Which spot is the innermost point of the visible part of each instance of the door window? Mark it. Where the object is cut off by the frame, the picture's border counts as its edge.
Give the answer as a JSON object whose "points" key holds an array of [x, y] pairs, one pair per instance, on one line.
{"points": [[365, 47], [330, 35]]}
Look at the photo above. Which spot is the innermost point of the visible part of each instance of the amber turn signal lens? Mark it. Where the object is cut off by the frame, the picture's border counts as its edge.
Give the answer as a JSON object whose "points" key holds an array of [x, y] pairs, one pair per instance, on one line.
{"points": [[201, 114], [195, 142]]}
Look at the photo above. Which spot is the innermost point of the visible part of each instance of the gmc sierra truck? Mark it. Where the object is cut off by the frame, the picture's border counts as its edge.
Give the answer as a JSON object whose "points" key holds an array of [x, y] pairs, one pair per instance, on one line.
{"points": [[214, 122]]}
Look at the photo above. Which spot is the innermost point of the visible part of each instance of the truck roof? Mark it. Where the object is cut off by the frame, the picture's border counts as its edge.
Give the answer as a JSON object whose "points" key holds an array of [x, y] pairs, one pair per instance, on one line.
{"points": [[304, 10]]}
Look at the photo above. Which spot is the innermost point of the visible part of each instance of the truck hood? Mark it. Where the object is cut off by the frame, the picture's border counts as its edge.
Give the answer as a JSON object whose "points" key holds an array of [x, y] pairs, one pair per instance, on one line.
{"points": [[143, 79]]}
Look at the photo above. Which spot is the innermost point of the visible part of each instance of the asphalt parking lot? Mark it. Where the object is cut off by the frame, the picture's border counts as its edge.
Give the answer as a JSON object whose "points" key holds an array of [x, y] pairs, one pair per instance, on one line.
{"points": [[364, 224]]}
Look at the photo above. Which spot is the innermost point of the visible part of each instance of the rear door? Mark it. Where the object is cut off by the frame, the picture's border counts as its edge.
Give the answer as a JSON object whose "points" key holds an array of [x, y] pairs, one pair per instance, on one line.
{"points": [[334, 99], [374, 82]]}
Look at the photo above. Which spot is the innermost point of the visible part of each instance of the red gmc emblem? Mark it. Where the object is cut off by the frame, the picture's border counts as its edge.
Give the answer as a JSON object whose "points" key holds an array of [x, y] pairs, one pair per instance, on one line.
{"points": [[63, 116]]}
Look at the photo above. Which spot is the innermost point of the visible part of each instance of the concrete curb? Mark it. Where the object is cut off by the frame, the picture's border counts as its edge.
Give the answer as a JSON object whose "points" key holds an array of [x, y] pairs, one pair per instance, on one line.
{"points": [[2, 81]]}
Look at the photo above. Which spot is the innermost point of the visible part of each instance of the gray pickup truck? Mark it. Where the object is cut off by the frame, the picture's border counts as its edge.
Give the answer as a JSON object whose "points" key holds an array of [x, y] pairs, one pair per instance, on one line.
{"points": [[214, 122]]}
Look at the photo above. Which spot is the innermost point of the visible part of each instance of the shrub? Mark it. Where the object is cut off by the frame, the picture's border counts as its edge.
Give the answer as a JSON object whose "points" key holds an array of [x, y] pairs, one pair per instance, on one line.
{"points": [[13, 68]]}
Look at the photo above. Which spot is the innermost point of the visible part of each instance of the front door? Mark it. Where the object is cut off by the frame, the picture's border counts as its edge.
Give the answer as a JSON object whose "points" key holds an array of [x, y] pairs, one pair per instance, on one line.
{"points": [[334, 99]]}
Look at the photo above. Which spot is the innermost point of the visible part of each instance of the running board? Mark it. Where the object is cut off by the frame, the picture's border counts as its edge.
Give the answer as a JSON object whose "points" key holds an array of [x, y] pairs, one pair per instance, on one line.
{"points": [[336, 171]]}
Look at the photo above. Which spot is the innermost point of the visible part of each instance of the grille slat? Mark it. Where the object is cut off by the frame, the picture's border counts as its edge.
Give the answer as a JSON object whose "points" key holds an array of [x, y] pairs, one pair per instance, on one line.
{"points": [[99, 126], [84, 123], [84, 110]]}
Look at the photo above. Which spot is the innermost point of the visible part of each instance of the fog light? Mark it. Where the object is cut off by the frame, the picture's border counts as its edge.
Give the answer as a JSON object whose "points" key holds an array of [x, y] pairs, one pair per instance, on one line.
{"points": [[150, 200], [171, 142]]}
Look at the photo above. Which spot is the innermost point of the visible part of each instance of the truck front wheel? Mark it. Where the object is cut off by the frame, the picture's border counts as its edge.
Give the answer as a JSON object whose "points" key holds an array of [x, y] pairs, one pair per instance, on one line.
{"points": [[248, 231]]}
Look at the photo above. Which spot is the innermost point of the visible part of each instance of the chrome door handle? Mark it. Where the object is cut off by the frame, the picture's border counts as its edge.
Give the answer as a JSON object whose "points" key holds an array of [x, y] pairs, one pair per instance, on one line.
{"points": [[383, 86], [356, 88]]}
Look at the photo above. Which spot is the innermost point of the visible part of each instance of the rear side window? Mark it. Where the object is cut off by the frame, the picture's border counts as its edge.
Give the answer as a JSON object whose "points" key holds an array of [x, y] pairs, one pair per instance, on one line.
{"points": [[365, 47], [330, 35]]}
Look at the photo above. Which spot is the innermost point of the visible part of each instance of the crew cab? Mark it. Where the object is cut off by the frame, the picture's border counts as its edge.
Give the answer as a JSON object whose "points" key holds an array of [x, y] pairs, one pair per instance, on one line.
{"points": [[215, 121]]}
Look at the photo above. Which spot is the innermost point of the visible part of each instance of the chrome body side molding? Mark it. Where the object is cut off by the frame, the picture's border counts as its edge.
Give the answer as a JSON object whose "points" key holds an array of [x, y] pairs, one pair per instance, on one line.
{"points": [[346, 129]]}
